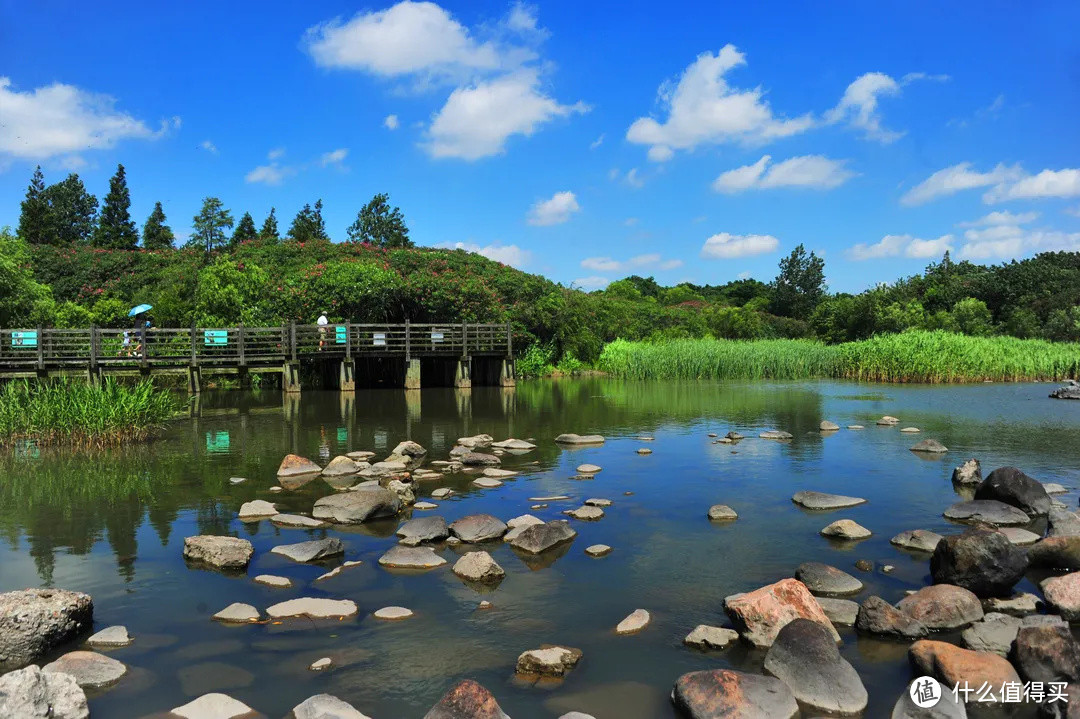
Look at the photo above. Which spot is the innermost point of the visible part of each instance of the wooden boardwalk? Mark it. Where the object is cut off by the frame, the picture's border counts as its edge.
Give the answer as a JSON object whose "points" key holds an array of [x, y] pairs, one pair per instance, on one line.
{"points": [[95, 352]]}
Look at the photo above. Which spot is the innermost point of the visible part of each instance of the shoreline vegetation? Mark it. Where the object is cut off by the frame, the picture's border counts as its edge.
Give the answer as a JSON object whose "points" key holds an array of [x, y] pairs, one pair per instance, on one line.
{"points": [[915, 356], [76, 413]]}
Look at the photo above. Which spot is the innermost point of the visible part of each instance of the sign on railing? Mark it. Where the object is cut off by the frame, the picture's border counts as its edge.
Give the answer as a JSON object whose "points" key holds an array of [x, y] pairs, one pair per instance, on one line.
{"points": [[24, 339], [378, 339], [215, 338], [341, 335]]}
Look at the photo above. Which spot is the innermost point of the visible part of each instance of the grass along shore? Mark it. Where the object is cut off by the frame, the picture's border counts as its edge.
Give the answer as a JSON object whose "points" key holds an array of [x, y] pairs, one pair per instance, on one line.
{"points": [[77, 413], [914, 356]]}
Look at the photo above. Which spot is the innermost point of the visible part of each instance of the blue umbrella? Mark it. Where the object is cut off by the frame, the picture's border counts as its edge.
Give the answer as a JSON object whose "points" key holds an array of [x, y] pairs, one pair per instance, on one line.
{"points": [[139, 310]]}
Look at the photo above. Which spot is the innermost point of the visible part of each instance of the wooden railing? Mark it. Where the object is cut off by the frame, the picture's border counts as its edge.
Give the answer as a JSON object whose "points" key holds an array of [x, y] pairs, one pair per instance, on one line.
{"points": [[42, 348]]}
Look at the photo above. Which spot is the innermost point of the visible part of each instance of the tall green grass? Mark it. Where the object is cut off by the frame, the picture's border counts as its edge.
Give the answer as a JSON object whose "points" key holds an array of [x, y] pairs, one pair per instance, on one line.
{"points": [[75, 412], [915, 356]]}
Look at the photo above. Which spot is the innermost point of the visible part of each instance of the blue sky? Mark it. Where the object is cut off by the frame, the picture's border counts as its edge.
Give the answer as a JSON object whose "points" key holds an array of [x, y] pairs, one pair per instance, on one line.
{"points": [[583, 141]]}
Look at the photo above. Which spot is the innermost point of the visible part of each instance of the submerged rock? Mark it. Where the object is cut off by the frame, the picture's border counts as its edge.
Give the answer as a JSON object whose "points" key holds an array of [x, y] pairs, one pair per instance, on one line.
{"points": [[33, 694], [761, 614], [1013, 487], [888, 421], [775, 434], [467, 700], [35, 621], [980, 560], [823, 500], [724, 693], [220, 552], [804, 657]]}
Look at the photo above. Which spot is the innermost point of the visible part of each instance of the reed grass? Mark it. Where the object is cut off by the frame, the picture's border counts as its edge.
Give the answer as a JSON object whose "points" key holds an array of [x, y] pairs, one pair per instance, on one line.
{"points": [[75, 412], [914, 356]]}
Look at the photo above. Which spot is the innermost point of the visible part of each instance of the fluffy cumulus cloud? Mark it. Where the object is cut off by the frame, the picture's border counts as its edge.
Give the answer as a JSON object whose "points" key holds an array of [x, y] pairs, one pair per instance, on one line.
{"points": [[477, 120], [391, 122], [726, 246], [1003, 217], [647, 261], [902, 246], [702, 108], [555, 210], [811, 171], [1011, 241], [1004, 183], [859, 105], [507, 254], [269, 174], [58, 119]]}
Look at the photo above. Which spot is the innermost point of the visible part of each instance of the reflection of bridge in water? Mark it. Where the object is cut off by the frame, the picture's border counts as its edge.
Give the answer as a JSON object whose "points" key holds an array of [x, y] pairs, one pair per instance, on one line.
{"points": [[347, 355]]}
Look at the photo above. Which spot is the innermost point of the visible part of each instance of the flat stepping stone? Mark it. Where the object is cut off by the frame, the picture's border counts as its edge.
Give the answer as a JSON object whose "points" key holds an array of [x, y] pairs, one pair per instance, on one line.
{"points": [[911, 430], [338, 570], [1020, 537], [553, 498], [822, 579], [823, 500], [272, 580], [846, 529], [586, 513], [827, 426], [722, 512], [547, 661], [313, 607], [499, 473], [325, 706], [297, 521], [442, 493], [855, 426], [360, 455], [598, 550], [89, 669], [514, 444], [320, 664], [114, 636], [237, 613], [392, 613], [839, 611], [634, 623], [487, 482], [275, 488], [1054, 488], [888, 421], [989, 511], [213, 706], [929, 446], [424, 529], [571, 438], [588, 468], [919, 540], [411, 558], [645, 438], [425, 505], [597, 502], [775, 434], [478, 528], [256, 509], [708, 637], [644, 450], [310, 551], [237, 480]]}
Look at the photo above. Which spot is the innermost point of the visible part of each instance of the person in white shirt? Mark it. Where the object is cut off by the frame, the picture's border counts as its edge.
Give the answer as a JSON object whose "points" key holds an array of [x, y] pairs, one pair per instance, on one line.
{"points": [[322, 322]]}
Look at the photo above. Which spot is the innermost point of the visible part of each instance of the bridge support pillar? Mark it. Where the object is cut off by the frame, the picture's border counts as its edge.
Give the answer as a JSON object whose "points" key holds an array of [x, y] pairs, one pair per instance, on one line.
{"points": [[93, 376], [290, 378], [243, 378], [346, 376], [194, 380], [506, 373], [412, 374], [463, 373]]}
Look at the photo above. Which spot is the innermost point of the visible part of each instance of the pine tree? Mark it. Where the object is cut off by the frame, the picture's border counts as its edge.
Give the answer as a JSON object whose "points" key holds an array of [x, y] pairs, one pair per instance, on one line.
{"points": [[209, 225], [308, 225], [269, 231], [378, 224], [115, 228], [245, 230], [33, 221], [156, 234], [72, 212]]}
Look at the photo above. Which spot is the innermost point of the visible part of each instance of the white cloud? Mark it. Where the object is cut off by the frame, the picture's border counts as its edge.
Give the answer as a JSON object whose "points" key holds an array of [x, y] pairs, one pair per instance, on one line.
{"points": [[391, 122], [727, 246], [954, 179], [591, 283], [1048, 183], [901, 246], [554, 211], [607, 264], [60, 119], [272, 174], [1003, 217], [811, 171], [209, 147], [744, 275], [334, 157], [276, 154], [476, 121], [507, 254], [633, 179], [703, 109], [597, 142], [859, 105], [1010, 241]]}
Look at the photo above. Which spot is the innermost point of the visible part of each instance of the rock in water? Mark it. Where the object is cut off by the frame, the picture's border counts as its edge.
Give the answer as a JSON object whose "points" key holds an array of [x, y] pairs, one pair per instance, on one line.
{"points": [[839, 611], [1047, 653], [411, 558], [1011, 486], [634, 622], [823, 500], [846, 529], [424, 529], [90, 669], [542, 537], [879, 618], [467, 700], [237, 613], [822, 579], [988, 511], [392, 614], [479, 459], [357, 507], [549, 660], [515, 444], [219, 552], [948, 707], [968, 473], [952, 665], [35, 621], [479, 440], [919, 540], [213, 706], [805, 658], [325, 706], [761, 614], [588, 468], [1056, 553], [315, 608], [930, 446], [311, 550], [725, 693], [1062, 523], [707, 637], [1063, 595], [995, 633], [942, 606], [1069, 391], [479, 567], [981, 560], [115, 636], [294, 465], [722, 513], [827, 426], [888, 421], [775, 434], [341, 466], [33, 694], [256, 509], [478, 528], [579, 439]]}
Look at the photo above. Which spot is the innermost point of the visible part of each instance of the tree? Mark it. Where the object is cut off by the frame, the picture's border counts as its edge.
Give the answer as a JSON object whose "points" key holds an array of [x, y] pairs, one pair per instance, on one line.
{"points": [[22, 299], [115, 229], [156, 234], [71, 213], [245, 230], [269, 231], [800, 285], [380, 225], [308, 225], [33, 221], [210, 225]]}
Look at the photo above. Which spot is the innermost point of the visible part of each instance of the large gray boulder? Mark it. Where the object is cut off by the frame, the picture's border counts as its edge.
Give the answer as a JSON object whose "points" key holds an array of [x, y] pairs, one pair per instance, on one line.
{"points": [[994, 633], [35, 621], [942, 606], [948, 707], [981, 560], [821, 579], [219, 552], [1047, 653], [728, 694], [325, 706], [423, 529], [356, 507], [823, 500], [1056, 553], [467, 700], [478, 528], [90, 669], [1011, 486], [805, 658], [479, 459], [33, 694], [881, 619], [917, 540], [539, 538], [312, 550], [1061, 522], [987, 511]]}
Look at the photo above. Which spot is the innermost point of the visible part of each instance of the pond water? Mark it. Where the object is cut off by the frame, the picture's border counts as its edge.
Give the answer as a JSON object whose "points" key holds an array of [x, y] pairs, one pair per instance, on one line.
{"points": [[113, 525]]}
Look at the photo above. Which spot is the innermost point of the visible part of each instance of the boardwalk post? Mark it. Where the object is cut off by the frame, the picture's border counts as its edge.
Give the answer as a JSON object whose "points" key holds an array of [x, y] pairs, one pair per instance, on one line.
{"points": [[94, 355], [194, 361], [463, 375], [240, 344], [292, 339], [408, 354], [346, 378], [40, 350], [290, 372]]}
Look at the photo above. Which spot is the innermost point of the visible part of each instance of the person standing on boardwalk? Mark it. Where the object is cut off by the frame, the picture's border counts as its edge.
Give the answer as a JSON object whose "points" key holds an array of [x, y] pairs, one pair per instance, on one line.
{"points": [[322, 322]]}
